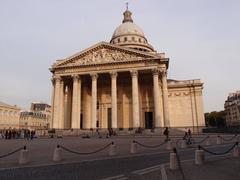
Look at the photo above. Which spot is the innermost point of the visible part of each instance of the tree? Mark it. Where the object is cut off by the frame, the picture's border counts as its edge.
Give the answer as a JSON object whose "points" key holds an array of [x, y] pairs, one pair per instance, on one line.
{"points": [[215, 119]]}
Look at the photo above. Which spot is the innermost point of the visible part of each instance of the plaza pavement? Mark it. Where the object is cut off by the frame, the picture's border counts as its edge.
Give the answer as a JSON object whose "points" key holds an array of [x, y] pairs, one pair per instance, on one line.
{"points": [[41, 153], [217, 168]]}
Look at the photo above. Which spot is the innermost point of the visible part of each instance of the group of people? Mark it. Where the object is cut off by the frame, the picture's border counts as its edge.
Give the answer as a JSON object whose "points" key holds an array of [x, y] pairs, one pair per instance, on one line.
{"points": [[110, 133], [187, 136], [17, 134]]}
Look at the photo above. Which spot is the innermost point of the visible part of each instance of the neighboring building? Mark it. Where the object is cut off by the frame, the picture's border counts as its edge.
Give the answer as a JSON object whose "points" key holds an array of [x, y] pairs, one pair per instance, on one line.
{"points": [[43, 108], [9, 116], [123, 84], [232, 109], [38, 117]]}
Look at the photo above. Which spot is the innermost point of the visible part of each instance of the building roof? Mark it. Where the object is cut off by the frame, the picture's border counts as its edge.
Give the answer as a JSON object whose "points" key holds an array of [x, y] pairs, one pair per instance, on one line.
{"points": [[9, 106]]}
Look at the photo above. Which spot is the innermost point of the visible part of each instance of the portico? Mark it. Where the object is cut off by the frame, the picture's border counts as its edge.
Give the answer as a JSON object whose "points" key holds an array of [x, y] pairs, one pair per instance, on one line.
{"points": [[103, 89]]}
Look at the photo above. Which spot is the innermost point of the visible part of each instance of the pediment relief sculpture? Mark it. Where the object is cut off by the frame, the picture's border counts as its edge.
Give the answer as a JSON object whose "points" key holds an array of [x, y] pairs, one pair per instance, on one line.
{"points": [[103, 56]]}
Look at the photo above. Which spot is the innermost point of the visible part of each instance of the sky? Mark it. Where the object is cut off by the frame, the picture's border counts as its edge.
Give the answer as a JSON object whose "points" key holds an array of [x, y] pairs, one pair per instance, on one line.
{"points": [[201, 38]]}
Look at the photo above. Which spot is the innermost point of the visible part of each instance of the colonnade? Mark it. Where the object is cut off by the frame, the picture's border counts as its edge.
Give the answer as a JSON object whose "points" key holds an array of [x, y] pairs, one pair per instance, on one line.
{"points": [[58, 100]]}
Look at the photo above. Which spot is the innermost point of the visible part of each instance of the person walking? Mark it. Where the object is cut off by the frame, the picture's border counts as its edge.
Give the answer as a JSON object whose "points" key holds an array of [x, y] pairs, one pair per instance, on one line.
{"points": [[166, 133]]}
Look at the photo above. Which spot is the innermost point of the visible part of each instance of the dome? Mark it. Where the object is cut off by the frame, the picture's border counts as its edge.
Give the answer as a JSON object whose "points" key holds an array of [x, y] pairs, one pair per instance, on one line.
{"points": [[128, 28], [128, 34]]}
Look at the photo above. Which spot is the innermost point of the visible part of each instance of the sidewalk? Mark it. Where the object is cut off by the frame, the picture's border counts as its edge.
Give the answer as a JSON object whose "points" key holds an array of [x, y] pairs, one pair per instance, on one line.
{"points": [[219, 168]]}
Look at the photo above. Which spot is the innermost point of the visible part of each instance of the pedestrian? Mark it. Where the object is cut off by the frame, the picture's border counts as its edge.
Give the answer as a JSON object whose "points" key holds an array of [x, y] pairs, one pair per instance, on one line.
{"points": [[98, 133], [189, 133], [31, 135], [166, 133], [6, 134]]}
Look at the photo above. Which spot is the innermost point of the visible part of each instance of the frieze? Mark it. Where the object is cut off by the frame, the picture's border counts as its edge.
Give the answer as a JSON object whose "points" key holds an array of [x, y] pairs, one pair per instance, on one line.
{"points": [[185, 93]]}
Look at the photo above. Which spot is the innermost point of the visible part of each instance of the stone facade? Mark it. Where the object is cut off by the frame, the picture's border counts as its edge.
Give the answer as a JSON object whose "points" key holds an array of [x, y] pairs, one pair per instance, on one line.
{"points": [[232, 109], [38, 118], [9, 116], [122, 84]]}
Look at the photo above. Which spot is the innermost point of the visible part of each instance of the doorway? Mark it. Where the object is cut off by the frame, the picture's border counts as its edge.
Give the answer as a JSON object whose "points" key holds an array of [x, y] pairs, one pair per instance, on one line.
{"points": [[148, 120], [81, 121], [109, 117]]}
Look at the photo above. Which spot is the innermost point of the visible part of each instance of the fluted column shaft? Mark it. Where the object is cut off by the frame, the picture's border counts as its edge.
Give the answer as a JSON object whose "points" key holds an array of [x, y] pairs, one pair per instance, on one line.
{"points": [[66, 106], [165, 97], [76, 102], [156, 93], [94, 100], [135, 99], [56, 106], [61, 106], [52, 102], [114, 98]]}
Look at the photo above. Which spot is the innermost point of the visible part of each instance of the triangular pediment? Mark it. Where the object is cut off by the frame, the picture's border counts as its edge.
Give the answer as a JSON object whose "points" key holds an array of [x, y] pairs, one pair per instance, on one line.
{"points": [[103, 53]]}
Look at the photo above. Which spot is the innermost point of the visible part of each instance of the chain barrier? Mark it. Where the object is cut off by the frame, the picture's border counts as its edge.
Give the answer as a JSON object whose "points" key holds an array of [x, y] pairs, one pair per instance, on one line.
{"points": [[13, 152], [221, 153], [149, 146], [85, 153], [204, 139], [231, 138], [179, 163]]}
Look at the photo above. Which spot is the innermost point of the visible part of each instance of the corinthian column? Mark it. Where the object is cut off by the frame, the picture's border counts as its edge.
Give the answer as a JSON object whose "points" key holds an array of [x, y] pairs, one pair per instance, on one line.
{"points": [[135, 100], [56, 107], [156, 93], [76, 102], [52, 103], [61, 102], [165, 97], [114, 98], [94, 100], [66, 107]]}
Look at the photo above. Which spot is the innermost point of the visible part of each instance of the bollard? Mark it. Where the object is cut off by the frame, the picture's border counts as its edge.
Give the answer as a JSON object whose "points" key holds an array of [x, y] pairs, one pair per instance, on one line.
{"points": [[173, 161], [133, 149], [24, 156], [236, 151], [112, 149], [183, 144], [57, 155], [199, 157], [207, 143], [236, 138], [219, 140], [169, 145]]}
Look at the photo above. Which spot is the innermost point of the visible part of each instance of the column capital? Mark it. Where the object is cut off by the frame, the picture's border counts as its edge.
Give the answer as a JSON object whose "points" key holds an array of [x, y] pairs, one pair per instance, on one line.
{"points": [[113, 74], [53, 80], [134, 73], [94, 76], [75, 77], [163, 72], [155, 71], [56, 78]]}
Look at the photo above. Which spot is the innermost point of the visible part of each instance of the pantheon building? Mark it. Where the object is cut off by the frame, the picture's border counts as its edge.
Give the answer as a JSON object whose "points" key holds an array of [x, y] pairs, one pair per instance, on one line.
{"points": [[122, 84]]}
